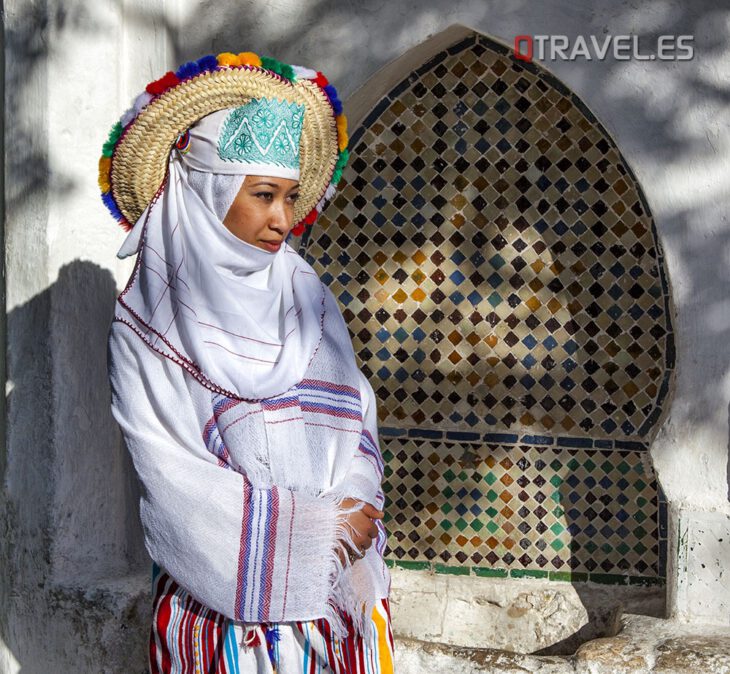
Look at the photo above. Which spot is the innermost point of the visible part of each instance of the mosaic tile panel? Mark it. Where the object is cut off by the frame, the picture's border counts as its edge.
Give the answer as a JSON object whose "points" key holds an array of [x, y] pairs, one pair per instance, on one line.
{"points": [[501, 277], [495, 259], [498, 506]]}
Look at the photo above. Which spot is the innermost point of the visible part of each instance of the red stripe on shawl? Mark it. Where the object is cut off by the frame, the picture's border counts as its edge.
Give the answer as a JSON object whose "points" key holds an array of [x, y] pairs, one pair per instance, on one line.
{"points": [[279, 404], [331, 411], [331, 386]]}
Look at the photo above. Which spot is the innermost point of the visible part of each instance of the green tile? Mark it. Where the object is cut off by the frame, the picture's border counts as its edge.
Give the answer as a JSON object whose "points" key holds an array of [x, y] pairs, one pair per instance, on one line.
{"points": [[413, 566], [528, 573], [486, 572]]}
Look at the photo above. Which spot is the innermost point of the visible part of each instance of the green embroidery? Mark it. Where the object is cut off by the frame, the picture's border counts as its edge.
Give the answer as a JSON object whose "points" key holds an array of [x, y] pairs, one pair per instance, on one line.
{"points": [[263, 132]]}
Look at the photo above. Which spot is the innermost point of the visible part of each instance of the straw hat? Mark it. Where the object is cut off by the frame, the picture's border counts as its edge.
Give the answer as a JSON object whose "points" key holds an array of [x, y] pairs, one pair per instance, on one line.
{"points": [[133, 166]]}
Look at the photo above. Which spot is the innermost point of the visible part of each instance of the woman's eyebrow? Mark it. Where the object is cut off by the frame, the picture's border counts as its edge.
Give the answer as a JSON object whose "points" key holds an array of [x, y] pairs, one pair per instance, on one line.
{"points": [[263, 182]]}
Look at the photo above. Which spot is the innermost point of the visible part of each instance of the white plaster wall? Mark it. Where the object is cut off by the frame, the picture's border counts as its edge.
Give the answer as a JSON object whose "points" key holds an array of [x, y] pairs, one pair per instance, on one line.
{"points": [[72, 566]]}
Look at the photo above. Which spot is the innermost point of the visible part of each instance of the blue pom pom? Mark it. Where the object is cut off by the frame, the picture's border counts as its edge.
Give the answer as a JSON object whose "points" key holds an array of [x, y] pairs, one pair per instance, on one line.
{"points": [[109, 202], [208, 62], [189, 69], [332, 95]]}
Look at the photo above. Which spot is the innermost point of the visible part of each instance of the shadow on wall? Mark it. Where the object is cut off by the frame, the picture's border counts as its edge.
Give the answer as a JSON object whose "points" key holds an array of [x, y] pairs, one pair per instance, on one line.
{"points": [[72, 548]]}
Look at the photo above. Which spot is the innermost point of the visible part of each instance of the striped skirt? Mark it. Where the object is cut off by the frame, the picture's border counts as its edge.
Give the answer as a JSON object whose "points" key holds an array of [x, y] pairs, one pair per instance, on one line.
{"points": [[188, 638]]}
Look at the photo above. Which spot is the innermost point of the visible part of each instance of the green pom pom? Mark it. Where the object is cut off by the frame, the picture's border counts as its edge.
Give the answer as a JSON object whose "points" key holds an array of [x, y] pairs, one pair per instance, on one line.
{"points": [[342, 159], [287, 71], [108, 148], [283, 69], [271, 64], [336, 176]]}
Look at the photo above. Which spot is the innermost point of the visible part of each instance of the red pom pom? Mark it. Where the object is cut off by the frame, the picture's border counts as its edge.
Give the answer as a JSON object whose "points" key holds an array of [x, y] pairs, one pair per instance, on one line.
{"points": [[321, 80], [167, 81], [311, 217], [298, 229]]}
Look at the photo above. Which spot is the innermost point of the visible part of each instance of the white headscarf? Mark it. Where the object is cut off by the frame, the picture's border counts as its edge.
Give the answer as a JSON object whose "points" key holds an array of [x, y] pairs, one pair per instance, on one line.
{"points": [[242, 320]]}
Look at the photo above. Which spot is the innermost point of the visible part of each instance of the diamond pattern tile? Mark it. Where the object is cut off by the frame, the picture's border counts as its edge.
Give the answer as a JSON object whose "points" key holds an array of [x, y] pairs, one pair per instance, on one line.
{"points": [[522, 507]]}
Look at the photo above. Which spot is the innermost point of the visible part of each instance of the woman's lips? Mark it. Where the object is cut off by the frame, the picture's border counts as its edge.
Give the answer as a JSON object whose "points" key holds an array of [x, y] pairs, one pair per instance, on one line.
{"points": [[272, 246]]}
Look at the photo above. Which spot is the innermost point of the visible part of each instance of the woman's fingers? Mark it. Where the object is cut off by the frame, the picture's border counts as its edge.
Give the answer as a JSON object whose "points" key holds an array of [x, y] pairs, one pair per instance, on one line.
{"points": [[371, 511]]}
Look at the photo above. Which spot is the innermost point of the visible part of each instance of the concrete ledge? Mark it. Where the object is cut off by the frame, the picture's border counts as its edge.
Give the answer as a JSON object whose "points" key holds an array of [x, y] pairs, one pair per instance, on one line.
{"points": [[523, 616], [644, 645]]}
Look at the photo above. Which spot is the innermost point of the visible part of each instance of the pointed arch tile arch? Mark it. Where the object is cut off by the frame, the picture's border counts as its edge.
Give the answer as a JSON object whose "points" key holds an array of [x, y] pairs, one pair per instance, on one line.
{"points": [[501, 275]]}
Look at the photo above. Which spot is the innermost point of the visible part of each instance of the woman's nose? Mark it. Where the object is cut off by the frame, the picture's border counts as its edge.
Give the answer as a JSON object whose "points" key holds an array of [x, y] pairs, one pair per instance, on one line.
{"points": [[280, 218]]}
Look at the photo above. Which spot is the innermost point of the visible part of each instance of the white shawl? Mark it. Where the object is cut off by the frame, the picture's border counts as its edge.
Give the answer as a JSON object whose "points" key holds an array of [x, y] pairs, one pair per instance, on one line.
{"points": [[247, 428]]}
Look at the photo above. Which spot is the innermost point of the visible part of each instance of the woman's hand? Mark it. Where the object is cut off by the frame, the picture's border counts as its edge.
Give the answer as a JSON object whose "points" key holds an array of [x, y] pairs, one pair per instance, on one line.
{"points": [[361, 524]]}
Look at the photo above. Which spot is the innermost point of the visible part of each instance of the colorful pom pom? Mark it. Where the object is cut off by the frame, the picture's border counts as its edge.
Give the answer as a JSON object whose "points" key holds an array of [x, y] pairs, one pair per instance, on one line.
{"points": [[321, 80], [342, 140], [342, 137], [311, 217], [302, 73], [109, 202], [342, 159], [298, 229], [108, 148], [287, 72], [189, 69], [206, 63], [332, 95], [248, 58], [141, 101], [105, 167], [271, 64], [228, 59], [167, 81]]}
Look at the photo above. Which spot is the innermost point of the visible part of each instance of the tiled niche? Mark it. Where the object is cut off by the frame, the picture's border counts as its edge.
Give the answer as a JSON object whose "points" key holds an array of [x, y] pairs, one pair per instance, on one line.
{"points": [[502, 280]]}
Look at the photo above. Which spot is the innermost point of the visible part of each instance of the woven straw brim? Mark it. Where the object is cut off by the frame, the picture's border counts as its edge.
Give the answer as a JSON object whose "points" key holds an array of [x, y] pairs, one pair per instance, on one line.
{"points": [[141, 156]]}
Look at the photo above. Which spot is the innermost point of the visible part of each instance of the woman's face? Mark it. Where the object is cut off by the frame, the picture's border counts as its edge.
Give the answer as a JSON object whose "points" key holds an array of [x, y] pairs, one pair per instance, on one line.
{"points": [[262, 213]]}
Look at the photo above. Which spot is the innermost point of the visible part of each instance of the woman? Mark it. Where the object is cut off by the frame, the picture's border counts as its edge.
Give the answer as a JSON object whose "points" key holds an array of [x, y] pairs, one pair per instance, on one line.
{"points": [[234, 382]]}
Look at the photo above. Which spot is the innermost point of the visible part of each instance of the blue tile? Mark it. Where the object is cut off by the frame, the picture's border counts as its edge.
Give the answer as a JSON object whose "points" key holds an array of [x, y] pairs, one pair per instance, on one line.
{"points": [[500, 437], [537, 439], [425, 433], [565, 441]]}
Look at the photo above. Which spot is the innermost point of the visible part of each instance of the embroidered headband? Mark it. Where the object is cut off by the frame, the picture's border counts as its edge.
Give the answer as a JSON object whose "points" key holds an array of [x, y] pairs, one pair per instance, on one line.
{"points": [[259, 138], [133, 166]]}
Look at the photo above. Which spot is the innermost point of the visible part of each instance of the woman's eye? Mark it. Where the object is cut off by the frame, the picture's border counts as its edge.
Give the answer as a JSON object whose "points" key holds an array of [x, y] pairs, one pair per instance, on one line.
{"points": [[294, 197], [266, 196]]}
